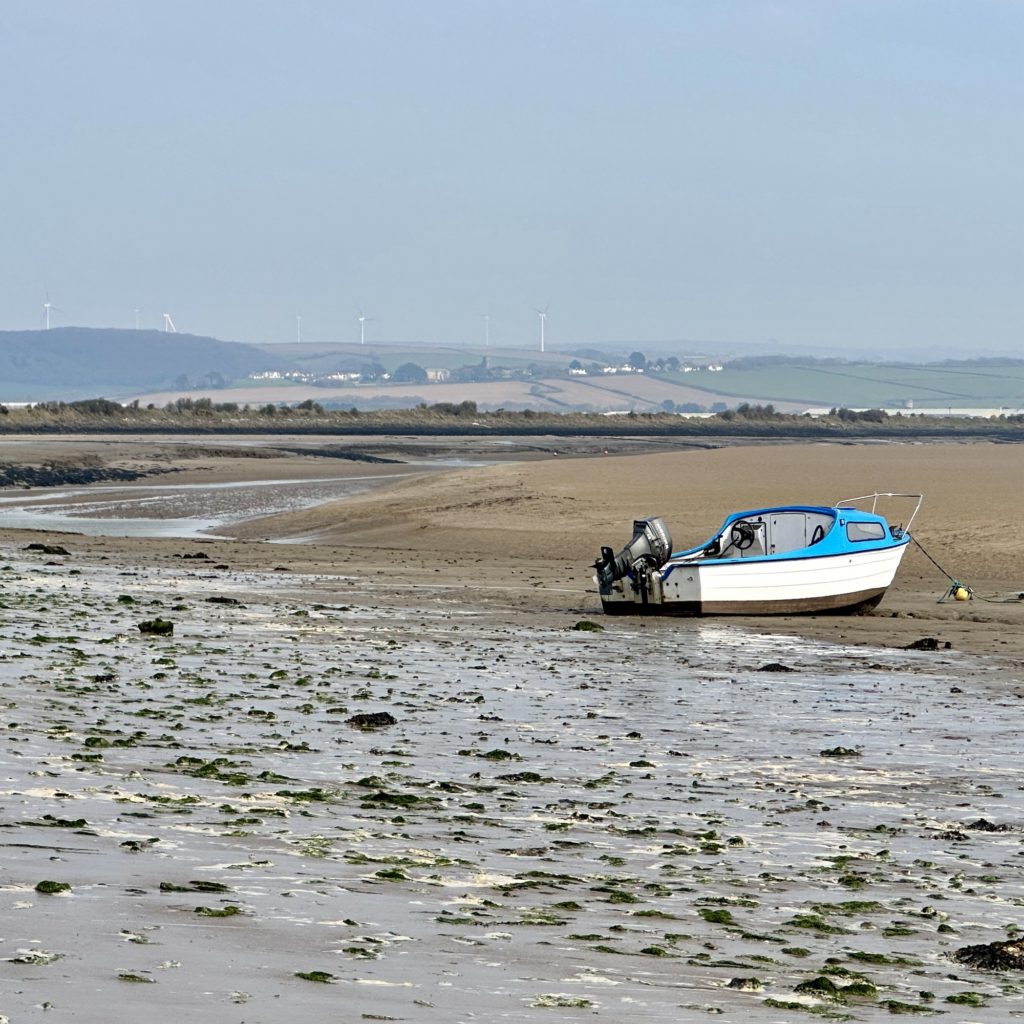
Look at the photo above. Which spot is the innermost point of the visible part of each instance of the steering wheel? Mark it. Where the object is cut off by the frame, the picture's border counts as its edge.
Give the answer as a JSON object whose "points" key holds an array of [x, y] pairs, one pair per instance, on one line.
{"points": [[742, 536]]}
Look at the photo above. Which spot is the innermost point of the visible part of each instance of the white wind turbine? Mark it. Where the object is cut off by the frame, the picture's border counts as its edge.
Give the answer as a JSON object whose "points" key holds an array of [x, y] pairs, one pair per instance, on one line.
{"points": [[48, 306], [363, 320], [169, 325], [487, 329], [543, 314]]}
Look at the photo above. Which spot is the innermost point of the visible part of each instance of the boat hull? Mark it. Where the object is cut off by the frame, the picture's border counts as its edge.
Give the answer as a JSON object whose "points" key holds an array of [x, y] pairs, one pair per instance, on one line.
{"points": [[848, 582]]}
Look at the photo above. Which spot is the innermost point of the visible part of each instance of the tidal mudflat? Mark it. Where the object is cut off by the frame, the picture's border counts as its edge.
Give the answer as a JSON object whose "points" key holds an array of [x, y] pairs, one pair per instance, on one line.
{"points": [[300, 804]]}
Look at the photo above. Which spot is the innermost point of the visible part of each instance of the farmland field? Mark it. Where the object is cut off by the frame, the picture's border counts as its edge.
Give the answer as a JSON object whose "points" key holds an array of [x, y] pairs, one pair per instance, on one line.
{"points": [[859, 385], [554, 394], [789, 386]]}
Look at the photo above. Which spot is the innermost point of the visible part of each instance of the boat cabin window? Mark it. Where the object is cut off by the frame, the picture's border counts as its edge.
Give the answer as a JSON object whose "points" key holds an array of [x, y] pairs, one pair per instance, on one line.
{"points": [[865, 531]]}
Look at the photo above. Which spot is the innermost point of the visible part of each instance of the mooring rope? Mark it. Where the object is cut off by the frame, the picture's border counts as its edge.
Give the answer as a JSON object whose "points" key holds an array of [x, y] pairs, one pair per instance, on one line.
{"points": [[948, 576], [955, 584]]}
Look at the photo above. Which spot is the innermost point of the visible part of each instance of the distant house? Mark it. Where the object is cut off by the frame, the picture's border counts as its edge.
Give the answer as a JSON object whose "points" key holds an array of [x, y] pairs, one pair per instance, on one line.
{"points": [[438, 376]]}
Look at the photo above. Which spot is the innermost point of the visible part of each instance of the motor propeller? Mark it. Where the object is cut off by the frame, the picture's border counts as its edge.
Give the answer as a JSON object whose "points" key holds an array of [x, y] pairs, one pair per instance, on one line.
{"points": [[650, 542]]}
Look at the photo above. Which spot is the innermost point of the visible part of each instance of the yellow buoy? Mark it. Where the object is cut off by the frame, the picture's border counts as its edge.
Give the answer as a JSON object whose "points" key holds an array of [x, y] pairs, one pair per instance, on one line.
{"points": [[962, 594]]}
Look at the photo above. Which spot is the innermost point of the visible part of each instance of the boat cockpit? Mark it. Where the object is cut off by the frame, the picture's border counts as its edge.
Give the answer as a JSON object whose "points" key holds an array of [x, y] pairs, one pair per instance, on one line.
{"points": [[773, 531]]}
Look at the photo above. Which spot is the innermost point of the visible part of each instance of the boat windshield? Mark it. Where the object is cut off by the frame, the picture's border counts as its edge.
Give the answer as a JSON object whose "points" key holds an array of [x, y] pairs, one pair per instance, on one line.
{"points": [[871, 502]]}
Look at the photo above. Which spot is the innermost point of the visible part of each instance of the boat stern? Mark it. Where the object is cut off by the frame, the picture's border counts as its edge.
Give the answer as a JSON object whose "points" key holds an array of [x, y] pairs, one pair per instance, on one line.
{"points": [[632, 580]]}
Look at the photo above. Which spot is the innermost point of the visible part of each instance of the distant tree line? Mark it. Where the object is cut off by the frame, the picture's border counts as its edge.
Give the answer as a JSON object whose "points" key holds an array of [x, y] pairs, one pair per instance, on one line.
{"points": [[308, 416]]}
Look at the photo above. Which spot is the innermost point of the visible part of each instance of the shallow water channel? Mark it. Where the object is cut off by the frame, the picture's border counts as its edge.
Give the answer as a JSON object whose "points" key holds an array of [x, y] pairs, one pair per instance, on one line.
{"points": [[173, 510], [637, 824]]}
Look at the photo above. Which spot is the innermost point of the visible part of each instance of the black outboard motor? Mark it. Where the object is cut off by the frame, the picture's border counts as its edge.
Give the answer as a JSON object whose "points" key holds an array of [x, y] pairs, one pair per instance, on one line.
{"points": [[651, 544]]}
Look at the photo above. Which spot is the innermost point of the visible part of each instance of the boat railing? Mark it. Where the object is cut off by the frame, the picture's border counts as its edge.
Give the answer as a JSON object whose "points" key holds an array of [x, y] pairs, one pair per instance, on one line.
{"points": [[873, 498]]}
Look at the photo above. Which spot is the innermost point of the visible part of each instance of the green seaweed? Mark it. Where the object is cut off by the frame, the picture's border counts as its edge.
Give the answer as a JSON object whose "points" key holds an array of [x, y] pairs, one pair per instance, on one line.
{"points": [[322, 977], [229, 911], [50, 888]]}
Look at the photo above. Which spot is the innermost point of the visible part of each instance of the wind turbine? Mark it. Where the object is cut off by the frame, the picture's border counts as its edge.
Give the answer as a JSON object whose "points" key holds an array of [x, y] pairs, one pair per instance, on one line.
{"points": [[47, 307], [169, 324], [543, 314], [137, 312], [487, 330], [298, 330], [363, 319]]}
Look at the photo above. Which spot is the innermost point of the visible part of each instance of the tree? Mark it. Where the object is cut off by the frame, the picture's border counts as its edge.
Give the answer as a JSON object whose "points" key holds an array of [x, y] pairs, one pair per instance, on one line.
{"points": [[637, 360], [410, 373]]}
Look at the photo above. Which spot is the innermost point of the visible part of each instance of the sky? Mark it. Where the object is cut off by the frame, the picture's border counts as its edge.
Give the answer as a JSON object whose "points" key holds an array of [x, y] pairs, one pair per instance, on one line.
{"points": [[841, 174]]}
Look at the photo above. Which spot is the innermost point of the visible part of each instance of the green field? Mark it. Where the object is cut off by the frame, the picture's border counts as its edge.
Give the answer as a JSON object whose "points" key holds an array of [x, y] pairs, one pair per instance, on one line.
{"points": [[869, 385]]}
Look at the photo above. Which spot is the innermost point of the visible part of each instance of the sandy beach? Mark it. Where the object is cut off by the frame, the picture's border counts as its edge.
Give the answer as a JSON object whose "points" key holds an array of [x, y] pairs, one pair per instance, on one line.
{"points": [[534, 822]]}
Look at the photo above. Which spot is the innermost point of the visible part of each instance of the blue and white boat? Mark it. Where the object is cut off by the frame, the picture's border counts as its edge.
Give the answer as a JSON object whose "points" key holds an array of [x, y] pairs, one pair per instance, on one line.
{"points": [[784, 560]]}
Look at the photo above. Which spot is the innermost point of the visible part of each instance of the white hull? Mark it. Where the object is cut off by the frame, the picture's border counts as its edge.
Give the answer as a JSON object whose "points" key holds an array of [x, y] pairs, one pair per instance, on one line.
{"points": [[761, 586]]}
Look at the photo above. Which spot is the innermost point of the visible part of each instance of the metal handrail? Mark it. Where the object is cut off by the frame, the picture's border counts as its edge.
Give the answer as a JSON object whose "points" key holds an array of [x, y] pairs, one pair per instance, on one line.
{"points": [[885, 494]]}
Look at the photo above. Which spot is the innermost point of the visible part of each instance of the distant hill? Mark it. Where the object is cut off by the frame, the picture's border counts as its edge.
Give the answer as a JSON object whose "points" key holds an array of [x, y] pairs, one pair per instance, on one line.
{"points": [[68, 362]]}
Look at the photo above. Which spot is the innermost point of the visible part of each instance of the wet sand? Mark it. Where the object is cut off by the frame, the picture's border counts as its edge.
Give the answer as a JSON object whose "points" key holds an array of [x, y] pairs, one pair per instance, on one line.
{"points": [[523, 534], [640, 823], [527, 533]]}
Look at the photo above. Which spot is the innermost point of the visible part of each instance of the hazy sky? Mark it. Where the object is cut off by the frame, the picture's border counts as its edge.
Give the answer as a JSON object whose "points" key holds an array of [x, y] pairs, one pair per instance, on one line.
{"points": [[816, 172]]}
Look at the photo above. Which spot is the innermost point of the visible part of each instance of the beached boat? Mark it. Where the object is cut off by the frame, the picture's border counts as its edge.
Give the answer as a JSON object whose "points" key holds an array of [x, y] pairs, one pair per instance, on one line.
{"points": [[790, 559]]}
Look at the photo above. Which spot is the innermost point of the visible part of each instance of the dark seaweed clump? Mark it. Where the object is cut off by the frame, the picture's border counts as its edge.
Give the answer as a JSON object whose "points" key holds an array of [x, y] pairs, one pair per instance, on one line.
{"points": [[928, 643], [992, 956], [984, 825], [47, 549], [372, 720], [156, 627]]}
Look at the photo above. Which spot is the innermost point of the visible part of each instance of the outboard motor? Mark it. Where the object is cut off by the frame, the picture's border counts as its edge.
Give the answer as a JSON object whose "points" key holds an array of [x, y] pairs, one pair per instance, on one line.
{"points": [[650, 545]]}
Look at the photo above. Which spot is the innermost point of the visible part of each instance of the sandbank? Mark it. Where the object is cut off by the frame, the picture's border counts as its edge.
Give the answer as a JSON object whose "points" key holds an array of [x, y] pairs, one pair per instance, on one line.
{"points": [[518, 537]]}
